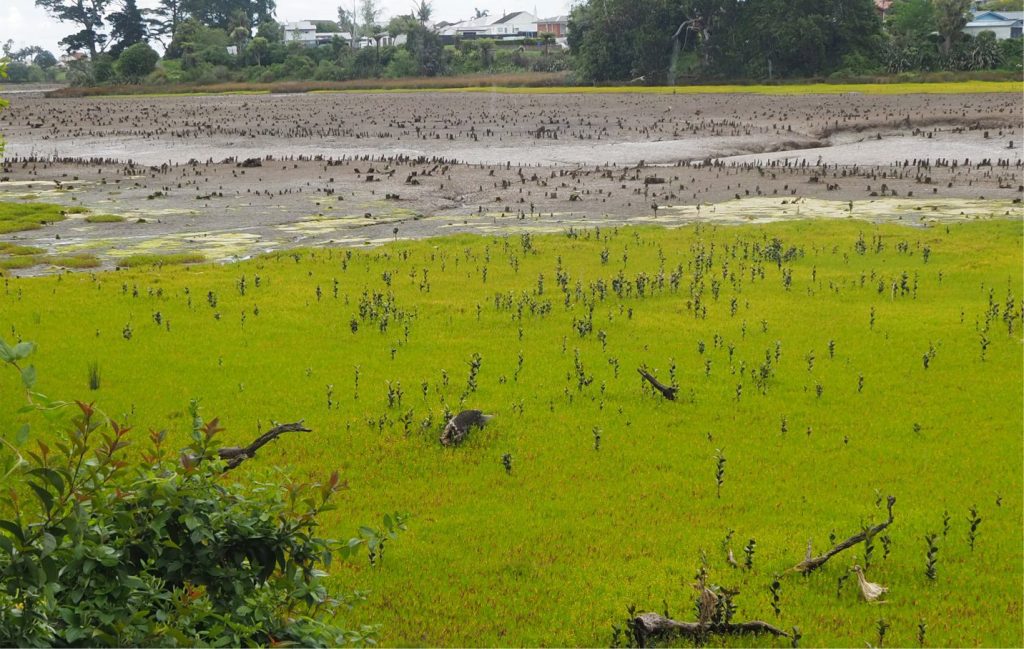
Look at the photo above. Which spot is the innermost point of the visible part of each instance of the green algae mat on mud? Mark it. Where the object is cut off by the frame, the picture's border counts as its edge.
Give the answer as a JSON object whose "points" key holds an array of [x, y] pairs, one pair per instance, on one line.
{"points": [[831, 364]]}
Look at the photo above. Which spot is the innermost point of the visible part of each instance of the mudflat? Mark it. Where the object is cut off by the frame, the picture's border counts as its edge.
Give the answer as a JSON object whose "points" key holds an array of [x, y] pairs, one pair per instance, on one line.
{"points": [[234, 175]]}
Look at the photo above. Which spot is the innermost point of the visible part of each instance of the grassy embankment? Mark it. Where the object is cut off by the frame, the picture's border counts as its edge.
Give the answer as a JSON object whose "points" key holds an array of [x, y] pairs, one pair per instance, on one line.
{"points": [[849, 362], [545, 83]]}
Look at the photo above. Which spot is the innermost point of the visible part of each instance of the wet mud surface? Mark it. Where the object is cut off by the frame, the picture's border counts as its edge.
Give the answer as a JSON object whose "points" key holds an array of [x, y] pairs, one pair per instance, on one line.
{"points": [[233, 176]]}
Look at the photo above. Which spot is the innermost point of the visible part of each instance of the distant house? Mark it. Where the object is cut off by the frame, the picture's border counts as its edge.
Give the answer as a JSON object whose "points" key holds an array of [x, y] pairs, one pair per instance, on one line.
{"points": [[1004, 24], [517, 23], [477, 27], [73, 57], [559, 26], [304, 31], [387, 40]]}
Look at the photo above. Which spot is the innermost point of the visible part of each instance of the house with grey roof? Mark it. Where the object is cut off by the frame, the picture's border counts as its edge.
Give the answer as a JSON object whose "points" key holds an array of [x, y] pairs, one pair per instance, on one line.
{"points": [[1004, 24], [557, 25], [517, 23]]}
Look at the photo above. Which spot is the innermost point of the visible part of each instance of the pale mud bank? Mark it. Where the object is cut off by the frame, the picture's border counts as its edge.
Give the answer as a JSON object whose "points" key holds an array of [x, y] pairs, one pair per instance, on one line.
{"points": [[367, 169]]}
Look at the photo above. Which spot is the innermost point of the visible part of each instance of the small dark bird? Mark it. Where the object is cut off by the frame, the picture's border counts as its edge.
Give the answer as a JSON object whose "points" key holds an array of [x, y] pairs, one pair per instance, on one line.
{"points": [[460, 425], [666, 391]]}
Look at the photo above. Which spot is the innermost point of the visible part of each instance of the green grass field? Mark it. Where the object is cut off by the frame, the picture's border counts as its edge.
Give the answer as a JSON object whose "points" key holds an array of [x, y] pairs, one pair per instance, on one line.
{"points": [[832, 364]]}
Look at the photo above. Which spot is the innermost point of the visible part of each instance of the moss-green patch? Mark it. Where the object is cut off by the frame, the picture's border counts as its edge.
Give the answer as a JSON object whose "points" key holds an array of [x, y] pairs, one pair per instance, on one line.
{"points": [[104, 218], [167, 259], [17, 250], [16, 217], [75, 260], [23, 261]]}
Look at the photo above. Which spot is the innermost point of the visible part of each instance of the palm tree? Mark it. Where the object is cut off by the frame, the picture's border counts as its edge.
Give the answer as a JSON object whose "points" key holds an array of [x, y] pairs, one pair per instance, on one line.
{"points": [[423, 10], [547, 38], [486, 45]]}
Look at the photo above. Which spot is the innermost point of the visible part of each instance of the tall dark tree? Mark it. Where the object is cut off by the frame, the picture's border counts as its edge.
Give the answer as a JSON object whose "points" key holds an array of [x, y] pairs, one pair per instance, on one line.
{"points": [[803, 37], [424, 45], [44, 59], [423, 10], [701, 27], [127, 27], [628, 40], [911, 19], [345, 22], [950, 18], [166, 18], [370, 12], [88, 14], [623, 39], [224, 14]]}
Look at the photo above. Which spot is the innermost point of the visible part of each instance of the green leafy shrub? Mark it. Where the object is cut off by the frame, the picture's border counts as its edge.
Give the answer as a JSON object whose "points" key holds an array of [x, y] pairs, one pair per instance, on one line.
{"points": [[101, 548]]}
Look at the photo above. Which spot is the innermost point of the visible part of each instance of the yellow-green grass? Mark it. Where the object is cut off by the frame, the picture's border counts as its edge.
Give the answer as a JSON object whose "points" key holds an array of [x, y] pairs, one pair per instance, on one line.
{"points": [[508, 84], [553, 553], [160, 259], [13, 249], [956, 87], [104, 218], [77, 261], [17, 217]]}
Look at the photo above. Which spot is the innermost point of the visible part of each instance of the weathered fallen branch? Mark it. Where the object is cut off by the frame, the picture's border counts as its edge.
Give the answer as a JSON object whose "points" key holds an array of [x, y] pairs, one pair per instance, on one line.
{"points": [[666, 391], [653, 625], [235, 455], [811, 564]]}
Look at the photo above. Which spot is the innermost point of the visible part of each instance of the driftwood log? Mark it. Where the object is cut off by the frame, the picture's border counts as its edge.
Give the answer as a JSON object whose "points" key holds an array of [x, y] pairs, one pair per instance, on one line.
{"points": [[810, 564], [653, 625], [235, 455], [666, 391]]}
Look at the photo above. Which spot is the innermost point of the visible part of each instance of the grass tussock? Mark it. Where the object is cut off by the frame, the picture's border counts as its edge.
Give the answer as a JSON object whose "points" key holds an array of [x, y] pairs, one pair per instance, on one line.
{"points": [[161, 259], [77, 261], [73, 261], [16, 250], [104, 218]]}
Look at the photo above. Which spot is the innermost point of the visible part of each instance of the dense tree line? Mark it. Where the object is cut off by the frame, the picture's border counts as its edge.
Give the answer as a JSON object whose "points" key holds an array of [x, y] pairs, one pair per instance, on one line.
{"points": [[28, 63], [658, 41], [209, 41], [647, 41]]}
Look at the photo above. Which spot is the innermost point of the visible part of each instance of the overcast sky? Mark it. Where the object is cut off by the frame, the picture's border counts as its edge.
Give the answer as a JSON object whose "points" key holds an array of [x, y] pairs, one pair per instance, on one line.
{"points": [[26, 24]]}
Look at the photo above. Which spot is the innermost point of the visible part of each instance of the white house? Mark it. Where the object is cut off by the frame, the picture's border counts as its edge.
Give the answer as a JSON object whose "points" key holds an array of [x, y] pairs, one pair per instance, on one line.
{"points": [[301, 31], [517, 23], [304, 31], [471, 28], [1004, 24]]}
